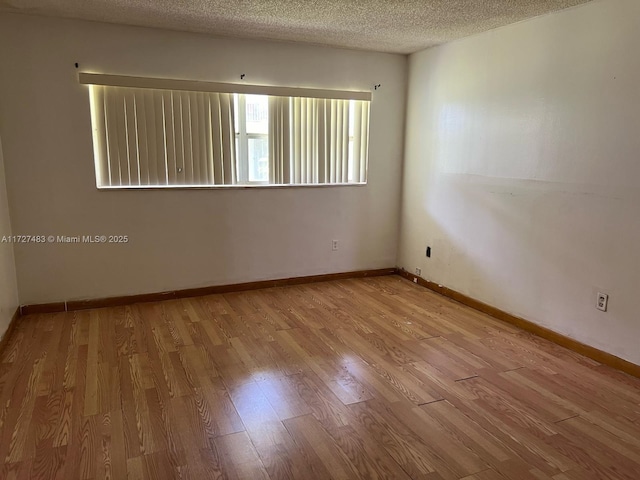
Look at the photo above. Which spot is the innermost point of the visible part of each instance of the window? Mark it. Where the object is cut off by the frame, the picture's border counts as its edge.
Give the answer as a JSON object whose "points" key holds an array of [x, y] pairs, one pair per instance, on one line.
{"points": [[252, 138], [172, 133]]}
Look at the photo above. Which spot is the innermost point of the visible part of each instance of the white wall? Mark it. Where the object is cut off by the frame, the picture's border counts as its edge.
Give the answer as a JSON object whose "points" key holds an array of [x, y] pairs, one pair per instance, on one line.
{"points": [[8, 285], [180, 239], [522, 170]]}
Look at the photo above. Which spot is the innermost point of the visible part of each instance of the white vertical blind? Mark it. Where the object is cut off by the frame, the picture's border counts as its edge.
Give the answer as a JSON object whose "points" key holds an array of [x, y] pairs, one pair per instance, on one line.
{"points": [[319, 144], [336, 114], [156, 137], [147, 137], [279, 140], [305, 139], [360, 141]]}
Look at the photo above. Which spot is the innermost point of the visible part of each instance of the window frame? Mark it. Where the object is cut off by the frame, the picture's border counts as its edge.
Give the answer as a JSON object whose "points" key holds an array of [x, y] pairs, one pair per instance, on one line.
{"points": [[242, 143]]}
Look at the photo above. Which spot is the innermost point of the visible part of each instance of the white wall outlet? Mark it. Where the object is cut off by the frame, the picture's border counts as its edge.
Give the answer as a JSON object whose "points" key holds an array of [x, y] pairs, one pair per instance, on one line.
{"points": [[602, 301], [334, 245], [418, 271]]}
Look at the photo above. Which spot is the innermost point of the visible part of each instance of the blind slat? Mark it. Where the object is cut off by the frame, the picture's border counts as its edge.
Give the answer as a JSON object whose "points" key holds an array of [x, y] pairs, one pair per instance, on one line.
{"points": [[228, 137], [322, 147], [307, 133], [363, 140], [112, 138], [344, 133], [100, 153], [194, 116], [312, 159], [170, 137], [333, 142], [187, 144], [123, 160], [143, 142], [152, 133], [161, 154], [187, 124], [297, 140], [179, 137], [279, 135], [200, 163], [357, 144], [216, 138], [130, 138], [208, 138]]}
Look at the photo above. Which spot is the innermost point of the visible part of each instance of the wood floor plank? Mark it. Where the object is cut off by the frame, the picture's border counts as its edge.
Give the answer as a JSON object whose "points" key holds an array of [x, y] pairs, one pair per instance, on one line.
{"points": [[284, 398], [462, 460], [468, 432], [364, 454], [281, 455], [49, 463], [405, 448], [311, 430], [239, 458], [372, 378]]}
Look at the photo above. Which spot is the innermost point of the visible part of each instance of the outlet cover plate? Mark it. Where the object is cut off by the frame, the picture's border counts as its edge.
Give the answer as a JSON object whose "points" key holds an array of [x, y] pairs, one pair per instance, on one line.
{"points": [[602, 301]]}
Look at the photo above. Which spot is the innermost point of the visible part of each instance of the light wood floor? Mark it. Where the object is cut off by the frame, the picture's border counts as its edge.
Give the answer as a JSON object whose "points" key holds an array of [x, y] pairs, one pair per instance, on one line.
{"points": [[369, 378]]}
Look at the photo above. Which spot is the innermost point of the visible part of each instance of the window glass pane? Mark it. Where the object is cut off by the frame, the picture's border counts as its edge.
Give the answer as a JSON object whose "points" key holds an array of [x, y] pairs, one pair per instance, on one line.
{"points": [[258, 158], [257, 114]]}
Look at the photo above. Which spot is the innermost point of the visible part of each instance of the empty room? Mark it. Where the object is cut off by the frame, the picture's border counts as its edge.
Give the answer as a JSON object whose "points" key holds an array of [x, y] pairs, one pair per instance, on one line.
{"points": [[276, 239]]}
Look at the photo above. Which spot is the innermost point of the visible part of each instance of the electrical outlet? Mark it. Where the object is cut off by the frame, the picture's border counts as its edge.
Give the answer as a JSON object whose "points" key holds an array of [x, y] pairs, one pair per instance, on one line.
{"points": [[602, 301], [418, 271], [334, 245]]}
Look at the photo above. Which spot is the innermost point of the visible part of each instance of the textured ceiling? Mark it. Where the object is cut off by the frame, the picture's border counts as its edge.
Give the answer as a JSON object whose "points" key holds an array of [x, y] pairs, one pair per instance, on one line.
{"points": [[382, 25]]}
